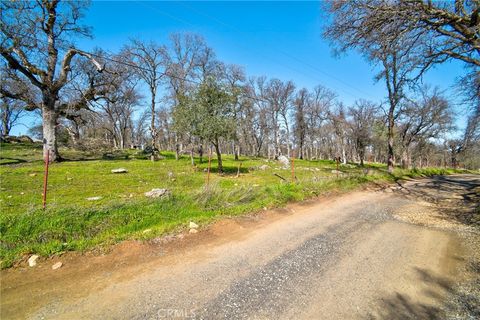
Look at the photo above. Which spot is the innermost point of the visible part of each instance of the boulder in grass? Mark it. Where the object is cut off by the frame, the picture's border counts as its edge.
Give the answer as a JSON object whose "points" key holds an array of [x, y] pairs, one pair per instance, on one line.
{"points": [[284, 161], [119, 170], [156, 193], [263, 167]]}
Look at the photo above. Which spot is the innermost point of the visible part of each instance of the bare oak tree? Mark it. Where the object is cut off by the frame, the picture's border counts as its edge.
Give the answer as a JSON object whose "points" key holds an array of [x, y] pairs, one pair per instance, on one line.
{"points": [[448, 29], [363, 117], [300, 129], [279, 95], [423, 118], [395, 47], [34, 34], [16, 98], [187, 61], [11, 112], [148, 59]]}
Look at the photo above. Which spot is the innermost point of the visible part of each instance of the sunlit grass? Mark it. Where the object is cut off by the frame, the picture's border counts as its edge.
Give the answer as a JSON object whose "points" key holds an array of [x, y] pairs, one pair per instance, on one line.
{"points": [[71, 222]]}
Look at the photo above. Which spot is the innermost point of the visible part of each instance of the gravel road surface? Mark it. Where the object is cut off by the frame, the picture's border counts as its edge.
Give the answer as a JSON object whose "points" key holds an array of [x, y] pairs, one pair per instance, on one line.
{"points": [[408, 251]]}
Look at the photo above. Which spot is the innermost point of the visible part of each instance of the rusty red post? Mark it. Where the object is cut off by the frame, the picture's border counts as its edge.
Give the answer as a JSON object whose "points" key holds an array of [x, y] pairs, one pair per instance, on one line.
{"points": [[45, 179]]}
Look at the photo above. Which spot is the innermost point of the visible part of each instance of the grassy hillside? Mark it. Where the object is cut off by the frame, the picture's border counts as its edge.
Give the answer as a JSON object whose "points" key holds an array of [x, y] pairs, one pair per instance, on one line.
{"points": [[71, 222]]}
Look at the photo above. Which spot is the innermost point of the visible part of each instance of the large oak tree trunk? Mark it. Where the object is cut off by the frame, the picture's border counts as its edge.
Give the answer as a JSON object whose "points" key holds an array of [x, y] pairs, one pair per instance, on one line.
{"points": [[237, 152], [219, 156], [390, 154], [288, 142], [454, 160], [153, 130], [49, 118], [405, 163], [390, 140], [5, 124], [277, 151], [361, 155]]}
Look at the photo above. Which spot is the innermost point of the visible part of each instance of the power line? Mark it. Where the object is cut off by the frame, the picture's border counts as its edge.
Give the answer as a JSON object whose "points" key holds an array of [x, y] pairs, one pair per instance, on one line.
{"points": [[264, 56], [276, 48], [229, 26], [131, 65]]}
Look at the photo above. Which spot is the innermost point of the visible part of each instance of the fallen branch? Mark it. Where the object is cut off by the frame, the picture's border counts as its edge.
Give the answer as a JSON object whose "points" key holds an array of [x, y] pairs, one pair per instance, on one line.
{"points": [[276, 174]]}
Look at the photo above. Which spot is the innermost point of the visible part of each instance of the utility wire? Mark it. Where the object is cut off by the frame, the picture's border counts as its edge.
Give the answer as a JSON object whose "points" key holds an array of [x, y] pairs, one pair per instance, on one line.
{"points": [[232, 28], [276, 49], [131, 65], [263, 55]]}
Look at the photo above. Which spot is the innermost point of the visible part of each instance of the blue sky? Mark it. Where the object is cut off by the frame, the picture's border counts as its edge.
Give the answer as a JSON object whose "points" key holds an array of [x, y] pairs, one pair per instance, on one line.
{"points": [[276, 39]]}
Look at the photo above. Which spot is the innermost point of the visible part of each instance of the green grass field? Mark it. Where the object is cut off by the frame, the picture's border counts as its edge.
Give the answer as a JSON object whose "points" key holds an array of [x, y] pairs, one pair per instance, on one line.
{"points": [[71, 222]]}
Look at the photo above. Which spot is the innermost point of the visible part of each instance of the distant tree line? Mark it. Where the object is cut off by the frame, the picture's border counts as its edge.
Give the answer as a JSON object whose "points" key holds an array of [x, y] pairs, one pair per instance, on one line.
{"points": [[178, 96]]}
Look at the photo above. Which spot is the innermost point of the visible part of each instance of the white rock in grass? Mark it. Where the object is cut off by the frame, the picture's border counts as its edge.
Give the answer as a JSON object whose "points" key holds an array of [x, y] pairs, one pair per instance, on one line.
{"points": [[193, 225], [94, 198], [284, 161], [156, 193], [263, 167], [32, 261], [119, 170], [57, 265]]}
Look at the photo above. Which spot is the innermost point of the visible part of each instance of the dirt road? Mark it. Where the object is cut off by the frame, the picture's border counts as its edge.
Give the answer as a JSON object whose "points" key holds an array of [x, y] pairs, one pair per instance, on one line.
{"points": [[410, 251]]}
